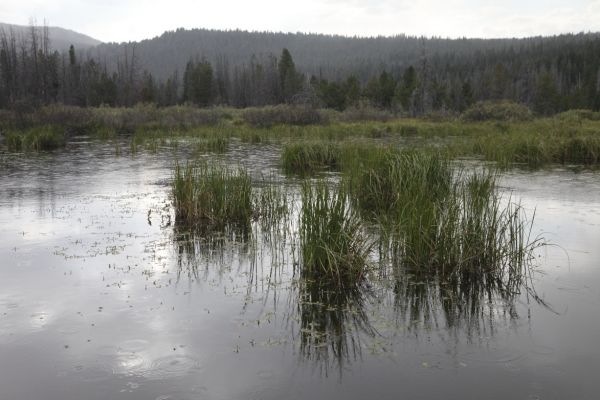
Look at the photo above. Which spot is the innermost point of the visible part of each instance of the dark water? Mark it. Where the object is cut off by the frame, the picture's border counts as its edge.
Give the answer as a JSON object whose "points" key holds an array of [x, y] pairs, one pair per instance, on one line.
{"points": [[100, 298]]}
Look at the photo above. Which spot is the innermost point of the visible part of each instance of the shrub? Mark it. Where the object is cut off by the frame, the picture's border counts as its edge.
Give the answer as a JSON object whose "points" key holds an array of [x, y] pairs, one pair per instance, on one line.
{"points": [[503, 110], [282, 114], [364, 113]]}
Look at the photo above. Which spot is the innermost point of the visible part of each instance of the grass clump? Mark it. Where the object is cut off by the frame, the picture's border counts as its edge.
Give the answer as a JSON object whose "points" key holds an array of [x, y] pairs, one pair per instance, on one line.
{"points": [[334, 249], [536, 149], [212, 196], [437, 219], [214, 145], [307, 157], [40, 138]]}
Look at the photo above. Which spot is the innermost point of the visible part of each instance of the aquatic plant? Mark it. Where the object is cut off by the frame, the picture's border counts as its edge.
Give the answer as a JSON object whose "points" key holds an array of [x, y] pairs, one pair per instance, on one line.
{"points": [[536, 149], [272, 203], [436, 218], [211, 196], [306, 157], [215, 145], [333, 246], [40, 138]]}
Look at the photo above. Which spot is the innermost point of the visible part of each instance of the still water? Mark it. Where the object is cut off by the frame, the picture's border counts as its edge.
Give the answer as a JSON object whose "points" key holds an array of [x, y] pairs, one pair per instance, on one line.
{"points": [[102, 298]]}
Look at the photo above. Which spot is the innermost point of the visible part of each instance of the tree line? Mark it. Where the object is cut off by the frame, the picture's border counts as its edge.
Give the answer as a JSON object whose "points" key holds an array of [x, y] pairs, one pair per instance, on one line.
{"points": [[548, 75]]}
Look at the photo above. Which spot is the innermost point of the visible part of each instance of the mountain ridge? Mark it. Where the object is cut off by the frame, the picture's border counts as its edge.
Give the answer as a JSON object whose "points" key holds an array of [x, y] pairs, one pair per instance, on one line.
{"points": [[60, 38]]}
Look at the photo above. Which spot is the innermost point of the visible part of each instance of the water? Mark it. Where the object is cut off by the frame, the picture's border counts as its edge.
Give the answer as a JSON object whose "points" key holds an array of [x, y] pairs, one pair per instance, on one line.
{"points": [[99, 299]]}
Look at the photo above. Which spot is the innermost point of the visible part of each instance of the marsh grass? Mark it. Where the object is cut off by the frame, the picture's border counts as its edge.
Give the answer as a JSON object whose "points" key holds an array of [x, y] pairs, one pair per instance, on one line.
{"points": [[272, 203], [536, 150], [303, 158], [40, 138], [436, 218], [333, 246], [214, 145], [212, 196]]}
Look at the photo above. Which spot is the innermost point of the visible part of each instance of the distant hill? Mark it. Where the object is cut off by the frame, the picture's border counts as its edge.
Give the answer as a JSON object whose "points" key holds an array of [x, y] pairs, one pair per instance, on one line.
{"points": [[329, 56], [549, 74], [60, 38]]}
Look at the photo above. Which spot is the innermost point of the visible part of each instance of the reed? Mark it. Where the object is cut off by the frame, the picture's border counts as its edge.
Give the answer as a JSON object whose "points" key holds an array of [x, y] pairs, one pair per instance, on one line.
{"points": [[334, 247], [213, 145], [536, 150], [307, 157], [211, 196], [436, 218], [39, 138], [272, 203]]}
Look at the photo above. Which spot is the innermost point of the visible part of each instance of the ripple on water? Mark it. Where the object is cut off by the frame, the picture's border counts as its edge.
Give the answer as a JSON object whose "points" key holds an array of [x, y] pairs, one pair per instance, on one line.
{"points": [[172, 366], [130, 363], [95, 373], [496, 356], [134, 345], [195, 392]]}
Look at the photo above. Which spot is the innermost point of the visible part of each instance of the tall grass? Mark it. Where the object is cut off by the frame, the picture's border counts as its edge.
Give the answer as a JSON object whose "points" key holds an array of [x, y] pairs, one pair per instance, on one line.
{"points": [[214, 145], [40, 138], [306, 157], [438, 219], [212, 196], [272, 203], [535, 149], [334, 247]]}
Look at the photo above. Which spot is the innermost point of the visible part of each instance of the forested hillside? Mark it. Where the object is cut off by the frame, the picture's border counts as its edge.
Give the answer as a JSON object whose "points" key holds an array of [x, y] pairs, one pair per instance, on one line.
{"points": [[60, 38], [403, 74]]}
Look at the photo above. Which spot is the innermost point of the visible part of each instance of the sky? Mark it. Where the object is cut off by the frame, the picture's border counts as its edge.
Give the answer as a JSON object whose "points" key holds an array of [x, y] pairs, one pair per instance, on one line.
{"points": [[128, 20]]}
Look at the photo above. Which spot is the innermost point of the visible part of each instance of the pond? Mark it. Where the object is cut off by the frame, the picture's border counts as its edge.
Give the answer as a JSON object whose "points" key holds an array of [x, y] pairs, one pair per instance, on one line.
{"points": [[101, 297]]}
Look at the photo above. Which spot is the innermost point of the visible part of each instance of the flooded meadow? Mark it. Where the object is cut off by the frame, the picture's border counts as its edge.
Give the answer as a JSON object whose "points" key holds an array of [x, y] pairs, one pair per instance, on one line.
{"points": [[103, 295]]}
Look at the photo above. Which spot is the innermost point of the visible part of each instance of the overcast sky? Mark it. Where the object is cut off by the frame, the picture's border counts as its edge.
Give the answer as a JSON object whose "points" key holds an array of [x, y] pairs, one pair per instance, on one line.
{"points": [[124, 20]]}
